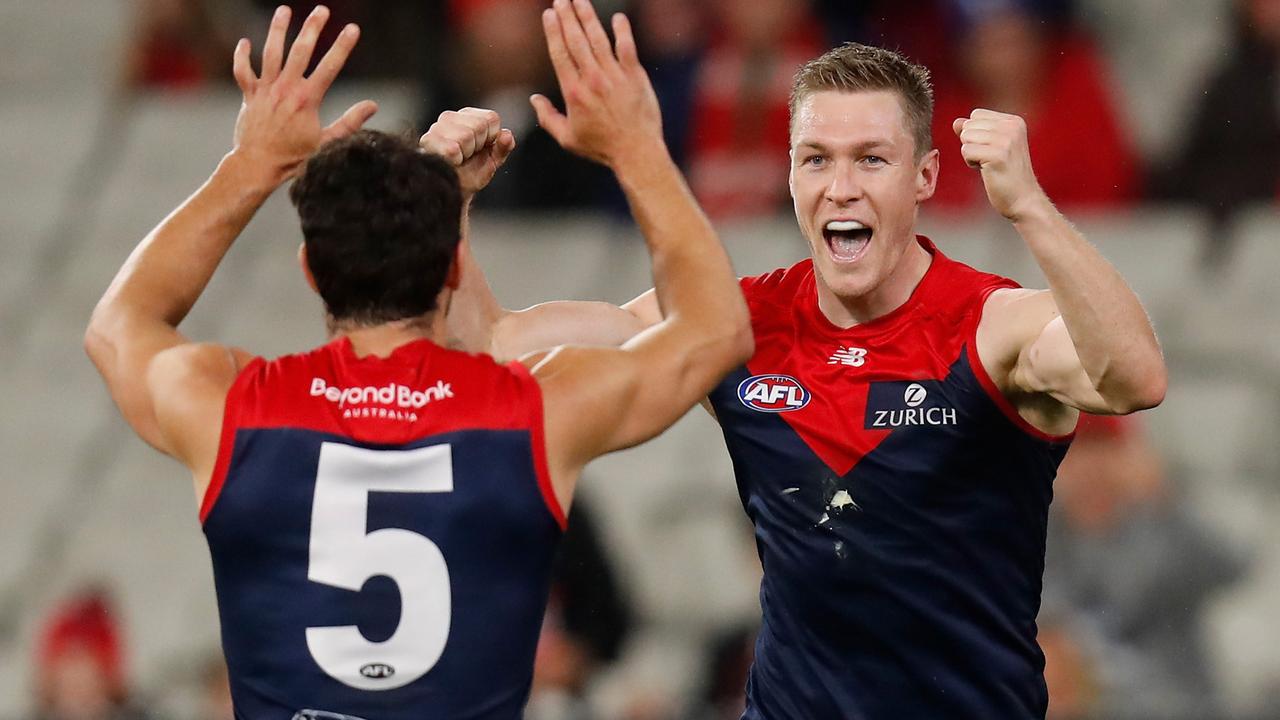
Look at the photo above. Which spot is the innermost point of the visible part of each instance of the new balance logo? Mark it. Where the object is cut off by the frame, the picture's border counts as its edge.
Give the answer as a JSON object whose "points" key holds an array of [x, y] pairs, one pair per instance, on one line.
{"points": [[851, 356]]}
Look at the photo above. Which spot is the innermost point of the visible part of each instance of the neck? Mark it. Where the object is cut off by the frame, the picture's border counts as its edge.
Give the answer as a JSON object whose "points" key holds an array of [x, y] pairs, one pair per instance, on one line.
{"points": [[889, 295], [382, 339]]}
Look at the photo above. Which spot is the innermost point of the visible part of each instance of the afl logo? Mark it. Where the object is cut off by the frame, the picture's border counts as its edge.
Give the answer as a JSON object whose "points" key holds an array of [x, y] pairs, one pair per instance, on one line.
{"points": [[773, 393], [377, 671], [914, 395]]}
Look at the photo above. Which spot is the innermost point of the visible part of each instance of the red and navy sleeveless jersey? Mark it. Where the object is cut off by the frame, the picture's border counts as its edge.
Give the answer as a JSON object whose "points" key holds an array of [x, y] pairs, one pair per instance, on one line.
{"points": [[382, 532], [899, 504]]}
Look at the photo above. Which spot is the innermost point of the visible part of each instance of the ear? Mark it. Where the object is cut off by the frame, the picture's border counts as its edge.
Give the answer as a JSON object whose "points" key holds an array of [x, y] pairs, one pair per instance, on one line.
{"points": [[454, 278], [791, 172], [927, 176], [306, 269]]}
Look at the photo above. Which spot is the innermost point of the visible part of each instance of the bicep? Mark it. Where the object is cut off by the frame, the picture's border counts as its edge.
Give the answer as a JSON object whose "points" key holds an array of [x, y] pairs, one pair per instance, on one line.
{"points": [[601, 399], [553, 324], [1026, 327], [1050, 365]]}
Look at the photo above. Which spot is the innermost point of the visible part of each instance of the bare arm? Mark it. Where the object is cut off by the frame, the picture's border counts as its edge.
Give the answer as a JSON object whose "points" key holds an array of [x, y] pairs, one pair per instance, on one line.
{"points": [[1086, 342], [601, 399], [473, 140], [133, 336]]}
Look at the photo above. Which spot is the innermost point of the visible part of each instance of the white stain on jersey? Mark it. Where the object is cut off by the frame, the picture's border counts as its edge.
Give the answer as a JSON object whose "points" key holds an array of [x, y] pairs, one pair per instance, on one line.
{"points": [[842, 500], [838, 503]]}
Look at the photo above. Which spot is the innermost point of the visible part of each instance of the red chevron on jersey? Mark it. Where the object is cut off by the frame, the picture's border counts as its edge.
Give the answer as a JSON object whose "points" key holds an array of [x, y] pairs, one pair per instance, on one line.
{"points": [[832, 368]]}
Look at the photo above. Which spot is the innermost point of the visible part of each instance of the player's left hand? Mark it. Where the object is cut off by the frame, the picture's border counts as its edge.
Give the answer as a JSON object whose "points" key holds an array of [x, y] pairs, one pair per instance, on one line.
{"points": [[279, 123], [996, 144]]}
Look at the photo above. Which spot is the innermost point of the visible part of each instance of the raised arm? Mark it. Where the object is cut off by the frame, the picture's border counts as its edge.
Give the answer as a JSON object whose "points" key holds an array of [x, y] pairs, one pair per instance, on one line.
{"points": [[474, 141], [1086, 342], [168, 389], [599, 399]]}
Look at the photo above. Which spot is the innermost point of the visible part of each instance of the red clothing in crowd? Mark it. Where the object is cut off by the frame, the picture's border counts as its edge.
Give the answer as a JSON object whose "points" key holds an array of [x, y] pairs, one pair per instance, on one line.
{"points": [[739, 140], [1081, 153]]}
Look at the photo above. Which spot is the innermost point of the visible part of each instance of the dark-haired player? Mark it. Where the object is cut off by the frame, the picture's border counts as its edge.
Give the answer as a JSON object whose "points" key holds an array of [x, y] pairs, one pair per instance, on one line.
{"points": [[382, 511], [896, 434]]}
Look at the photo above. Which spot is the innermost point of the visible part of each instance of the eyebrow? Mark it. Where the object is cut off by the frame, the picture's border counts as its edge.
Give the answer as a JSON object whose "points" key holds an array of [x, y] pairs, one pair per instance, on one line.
{"points": [[861, 147]]}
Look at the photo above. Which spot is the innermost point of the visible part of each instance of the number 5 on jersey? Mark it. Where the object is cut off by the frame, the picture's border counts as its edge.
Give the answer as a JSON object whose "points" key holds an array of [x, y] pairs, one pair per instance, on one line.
{"points": [[345, 555]]}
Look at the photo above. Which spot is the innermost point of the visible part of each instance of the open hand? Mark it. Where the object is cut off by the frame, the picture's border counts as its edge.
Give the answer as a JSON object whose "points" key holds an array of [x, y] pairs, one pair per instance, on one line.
{"points": [[474, 142], [996, 144], [611, 111], [279, 122]]}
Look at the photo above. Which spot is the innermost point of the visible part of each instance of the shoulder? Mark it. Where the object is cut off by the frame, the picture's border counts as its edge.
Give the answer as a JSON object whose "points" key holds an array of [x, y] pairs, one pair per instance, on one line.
{"points": [[197, 365], [960, 292], [780, 282], [771, 297], [189, 384]]}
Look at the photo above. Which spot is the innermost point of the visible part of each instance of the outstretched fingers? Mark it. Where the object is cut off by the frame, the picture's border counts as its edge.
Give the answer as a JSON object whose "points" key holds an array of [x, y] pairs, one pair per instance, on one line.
{"points": [[305, 44], [241, 68], [566, 71], [625, 43], [352, 120], [551, 119], [331, 64], [575, 38], [273, 49], [598, 41]]}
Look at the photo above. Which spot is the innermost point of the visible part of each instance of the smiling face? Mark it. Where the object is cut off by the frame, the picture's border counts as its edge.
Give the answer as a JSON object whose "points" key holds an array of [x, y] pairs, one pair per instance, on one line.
{"points": [[856, 183]]}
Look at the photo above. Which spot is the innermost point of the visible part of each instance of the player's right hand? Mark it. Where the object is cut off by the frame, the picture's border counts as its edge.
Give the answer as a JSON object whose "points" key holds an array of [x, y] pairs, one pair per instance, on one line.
{"points": [[474, 142], [611, 112], [279, 123]]}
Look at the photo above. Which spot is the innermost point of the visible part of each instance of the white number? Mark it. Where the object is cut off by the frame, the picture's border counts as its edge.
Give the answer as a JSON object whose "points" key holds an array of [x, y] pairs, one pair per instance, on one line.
{"points": [[345, 555]]}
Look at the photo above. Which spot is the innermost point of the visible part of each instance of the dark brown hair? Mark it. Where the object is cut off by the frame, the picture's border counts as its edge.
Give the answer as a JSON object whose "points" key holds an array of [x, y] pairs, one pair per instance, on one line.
{"points": [[380, 219]]}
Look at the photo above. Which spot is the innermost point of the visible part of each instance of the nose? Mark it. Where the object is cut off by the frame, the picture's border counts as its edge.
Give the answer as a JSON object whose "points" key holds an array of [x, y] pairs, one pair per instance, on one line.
{"points": [[844, 187]]}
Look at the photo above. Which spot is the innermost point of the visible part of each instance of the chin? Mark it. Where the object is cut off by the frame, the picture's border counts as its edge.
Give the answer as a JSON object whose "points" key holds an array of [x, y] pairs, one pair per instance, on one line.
{"points": [[846, 282]]}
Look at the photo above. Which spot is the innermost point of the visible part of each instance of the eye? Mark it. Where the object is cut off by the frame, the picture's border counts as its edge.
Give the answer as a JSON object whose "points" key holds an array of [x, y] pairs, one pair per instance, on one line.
{"points": [[874, 160], [814, 161]]}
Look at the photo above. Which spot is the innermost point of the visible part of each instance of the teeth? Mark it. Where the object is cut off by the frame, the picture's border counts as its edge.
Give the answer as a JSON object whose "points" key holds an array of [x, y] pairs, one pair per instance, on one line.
{"points": [[845, 225]]}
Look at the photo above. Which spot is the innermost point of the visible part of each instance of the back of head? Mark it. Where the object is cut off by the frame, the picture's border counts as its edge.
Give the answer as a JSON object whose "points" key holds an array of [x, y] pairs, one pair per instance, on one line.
{"points": [[854, 67], [381, 222]]}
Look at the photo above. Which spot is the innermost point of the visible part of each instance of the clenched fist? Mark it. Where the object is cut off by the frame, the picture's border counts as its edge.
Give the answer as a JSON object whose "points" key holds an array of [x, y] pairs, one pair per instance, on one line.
{"points": [[996, 144], [474, 142]]}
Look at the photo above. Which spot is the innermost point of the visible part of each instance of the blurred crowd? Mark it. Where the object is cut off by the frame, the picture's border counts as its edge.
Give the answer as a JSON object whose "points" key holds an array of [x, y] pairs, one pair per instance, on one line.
{"points": [[1129, 572], [722, 69]]}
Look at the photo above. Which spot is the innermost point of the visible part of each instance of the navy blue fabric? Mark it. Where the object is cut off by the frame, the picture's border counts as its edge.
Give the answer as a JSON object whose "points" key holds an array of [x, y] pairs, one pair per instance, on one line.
{"points": [[917, 597], [494, 531]]}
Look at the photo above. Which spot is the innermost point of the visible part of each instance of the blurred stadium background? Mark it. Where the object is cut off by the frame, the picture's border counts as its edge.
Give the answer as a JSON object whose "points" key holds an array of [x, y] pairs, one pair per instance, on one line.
{"points": [[1155, 124]]}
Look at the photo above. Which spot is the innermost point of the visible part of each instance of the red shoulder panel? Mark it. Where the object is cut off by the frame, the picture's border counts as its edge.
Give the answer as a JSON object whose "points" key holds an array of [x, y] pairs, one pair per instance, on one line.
{"points": [[419, 390]]}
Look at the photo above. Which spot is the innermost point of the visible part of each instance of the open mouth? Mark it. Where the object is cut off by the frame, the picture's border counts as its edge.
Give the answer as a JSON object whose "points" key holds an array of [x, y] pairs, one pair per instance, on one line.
{"points": [[848, 240]]}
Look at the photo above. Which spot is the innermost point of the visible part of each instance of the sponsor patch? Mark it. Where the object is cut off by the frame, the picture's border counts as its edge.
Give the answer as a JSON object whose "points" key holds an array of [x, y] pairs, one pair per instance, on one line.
{"points": [[773, 393], [907, 404]]}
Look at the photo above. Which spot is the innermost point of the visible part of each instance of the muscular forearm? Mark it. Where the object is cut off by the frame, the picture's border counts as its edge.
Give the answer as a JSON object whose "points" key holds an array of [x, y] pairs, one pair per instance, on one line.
{"points": [[690, 266], [169, 269], [1110, 330]]}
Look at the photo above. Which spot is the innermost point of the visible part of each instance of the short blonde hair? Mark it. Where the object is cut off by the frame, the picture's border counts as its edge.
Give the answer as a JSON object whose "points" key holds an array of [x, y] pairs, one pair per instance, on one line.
{"points": [[854, 67]]}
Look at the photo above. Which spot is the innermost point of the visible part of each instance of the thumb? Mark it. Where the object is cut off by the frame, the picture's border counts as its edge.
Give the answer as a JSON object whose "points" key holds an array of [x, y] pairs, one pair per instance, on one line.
{"points": [[503, 146], [957, 125], [551, 119], [352, 120]]}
